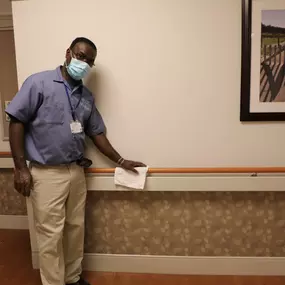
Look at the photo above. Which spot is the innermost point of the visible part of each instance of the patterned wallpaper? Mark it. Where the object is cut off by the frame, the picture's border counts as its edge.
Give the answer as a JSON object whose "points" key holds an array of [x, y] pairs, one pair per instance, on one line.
{"points": [[186, 223], [11, 203], [175, 223]]}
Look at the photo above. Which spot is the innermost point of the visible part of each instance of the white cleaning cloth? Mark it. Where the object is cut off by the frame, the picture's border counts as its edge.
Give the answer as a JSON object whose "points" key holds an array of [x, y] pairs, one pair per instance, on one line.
{"points": [[130, 179]]}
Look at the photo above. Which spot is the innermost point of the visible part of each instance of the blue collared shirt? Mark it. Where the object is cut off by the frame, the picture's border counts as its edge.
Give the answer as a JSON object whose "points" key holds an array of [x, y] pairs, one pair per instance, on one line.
{"points": [[43, 106]]}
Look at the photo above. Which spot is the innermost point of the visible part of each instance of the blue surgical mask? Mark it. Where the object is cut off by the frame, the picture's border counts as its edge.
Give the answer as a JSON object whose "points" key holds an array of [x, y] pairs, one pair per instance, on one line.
{"points": [[77, 69]]}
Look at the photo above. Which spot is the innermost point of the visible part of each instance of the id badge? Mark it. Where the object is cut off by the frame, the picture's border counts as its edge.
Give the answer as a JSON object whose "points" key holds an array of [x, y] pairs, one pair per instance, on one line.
{"points": [[76, 127]]}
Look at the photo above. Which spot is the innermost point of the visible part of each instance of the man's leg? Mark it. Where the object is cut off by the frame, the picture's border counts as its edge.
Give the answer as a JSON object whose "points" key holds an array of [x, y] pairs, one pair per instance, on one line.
{"points": [[51, 188], [73, 242]]}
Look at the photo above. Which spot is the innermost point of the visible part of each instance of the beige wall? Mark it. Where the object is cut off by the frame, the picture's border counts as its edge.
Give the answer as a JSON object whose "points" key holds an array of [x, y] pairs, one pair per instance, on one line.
{"points": [[5, 7], [167, 76], [8, 72], [8, 75]]}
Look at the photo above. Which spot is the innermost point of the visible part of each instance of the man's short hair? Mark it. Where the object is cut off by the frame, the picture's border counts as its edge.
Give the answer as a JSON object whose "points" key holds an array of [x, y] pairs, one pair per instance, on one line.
{"points": [[83, 40]]}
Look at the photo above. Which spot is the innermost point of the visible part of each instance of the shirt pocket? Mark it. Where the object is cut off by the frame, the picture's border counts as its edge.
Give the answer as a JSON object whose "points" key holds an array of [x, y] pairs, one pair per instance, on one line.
{"points": [[54, 113]]}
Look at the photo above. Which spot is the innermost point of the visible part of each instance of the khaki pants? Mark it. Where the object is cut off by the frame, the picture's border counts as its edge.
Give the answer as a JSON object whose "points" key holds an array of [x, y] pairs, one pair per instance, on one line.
{"points": [[58, 200]]}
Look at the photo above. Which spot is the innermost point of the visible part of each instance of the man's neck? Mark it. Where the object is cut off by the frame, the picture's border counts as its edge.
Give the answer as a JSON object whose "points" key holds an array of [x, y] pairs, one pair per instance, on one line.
{"points": [[68, 78]]}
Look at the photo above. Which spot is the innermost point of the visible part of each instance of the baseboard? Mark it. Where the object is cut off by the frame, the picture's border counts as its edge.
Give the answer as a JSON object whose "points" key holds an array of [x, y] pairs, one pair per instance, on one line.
{"points": [[271, 266], [14, 222]]}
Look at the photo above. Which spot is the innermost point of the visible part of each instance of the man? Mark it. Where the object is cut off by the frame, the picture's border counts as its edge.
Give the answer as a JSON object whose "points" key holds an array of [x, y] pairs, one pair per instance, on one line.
{"points": [[50, 116]]}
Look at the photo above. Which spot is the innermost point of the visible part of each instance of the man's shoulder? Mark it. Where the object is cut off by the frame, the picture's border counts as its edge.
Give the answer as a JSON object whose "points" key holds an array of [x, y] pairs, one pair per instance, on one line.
{"points": [[41, 78], [88, 94], [43, 75]]}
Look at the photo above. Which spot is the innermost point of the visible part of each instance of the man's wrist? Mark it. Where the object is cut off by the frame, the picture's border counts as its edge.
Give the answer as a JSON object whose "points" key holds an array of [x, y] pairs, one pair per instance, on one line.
{"points": [[21, 167], [120, 161], [20, 162]]}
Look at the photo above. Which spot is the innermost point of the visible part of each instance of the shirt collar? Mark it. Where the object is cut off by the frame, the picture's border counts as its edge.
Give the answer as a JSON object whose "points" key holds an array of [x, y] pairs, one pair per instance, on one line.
{"points": [[59, 78], [57, 75]]}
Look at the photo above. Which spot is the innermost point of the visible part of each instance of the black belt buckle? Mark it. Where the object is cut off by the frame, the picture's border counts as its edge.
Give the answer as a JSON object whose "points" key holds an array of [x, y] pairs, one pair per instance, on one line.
{"points": [[84, 162]]}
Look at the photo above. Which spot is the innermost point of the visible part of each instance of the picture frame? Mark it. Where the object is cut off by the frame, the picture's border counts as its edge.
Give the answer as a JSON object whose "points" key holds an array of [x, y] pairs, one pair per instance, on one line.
{"points": [[4, 120], [262, 95]]}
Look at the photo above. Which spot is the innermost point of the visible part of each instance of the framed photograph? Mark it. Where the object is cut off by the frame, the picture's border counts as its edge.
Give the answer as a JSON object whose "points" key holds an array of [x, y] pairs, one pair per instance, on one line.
{"points": [[263, 61]]}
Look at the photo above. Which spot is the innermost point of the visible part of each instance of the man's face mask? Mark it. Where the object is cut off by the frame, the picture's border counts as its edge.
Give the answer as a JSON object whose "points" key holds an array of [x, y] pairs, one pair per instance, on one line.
{"points": [[77, 69]]}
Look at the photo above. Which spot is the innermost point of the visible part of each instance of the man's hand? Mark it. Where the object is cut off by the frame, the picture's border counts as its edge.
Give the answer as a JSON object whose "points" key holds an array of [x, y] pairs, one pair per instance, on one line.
{"points": [[103, 144], [130, 165], [23, 181]]}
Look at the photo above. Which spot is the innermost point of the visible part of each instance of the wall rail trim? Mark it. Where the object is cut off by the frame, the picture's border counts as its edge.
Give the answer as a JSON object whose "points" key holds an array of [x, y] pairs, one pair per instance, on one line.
{"points": [[185, 170], [6, 22], [194, 170]]}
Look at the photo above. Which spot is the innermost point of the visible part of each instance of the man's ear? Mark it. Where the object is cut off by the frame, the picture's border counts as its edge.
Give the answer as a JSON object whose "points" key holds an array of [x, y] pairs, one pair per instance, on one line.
{"points": [[67, 53], [67, 56]]}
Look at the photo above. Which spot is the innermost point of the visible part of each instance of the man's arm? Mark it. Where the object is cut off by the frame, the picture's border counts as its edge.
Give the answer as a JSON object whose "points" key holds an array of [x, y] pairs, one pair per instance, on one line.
{"points": [[21, 110], [22, 176], [95, 129], [104, 146], [16, 136]]}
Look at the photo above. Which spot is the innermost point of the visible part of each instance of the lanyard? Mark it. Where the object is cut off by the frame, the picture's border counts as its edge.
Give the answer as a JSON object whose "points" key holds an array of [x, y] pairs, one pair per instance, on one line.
{"points": [[70, 104]]}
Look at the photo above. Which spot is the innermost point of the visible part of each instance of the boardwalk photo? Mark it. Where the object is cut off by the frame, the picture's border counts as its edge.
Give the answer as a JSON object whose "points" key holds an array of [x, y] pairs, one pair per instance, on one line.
{"points": [[272, 66]]}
